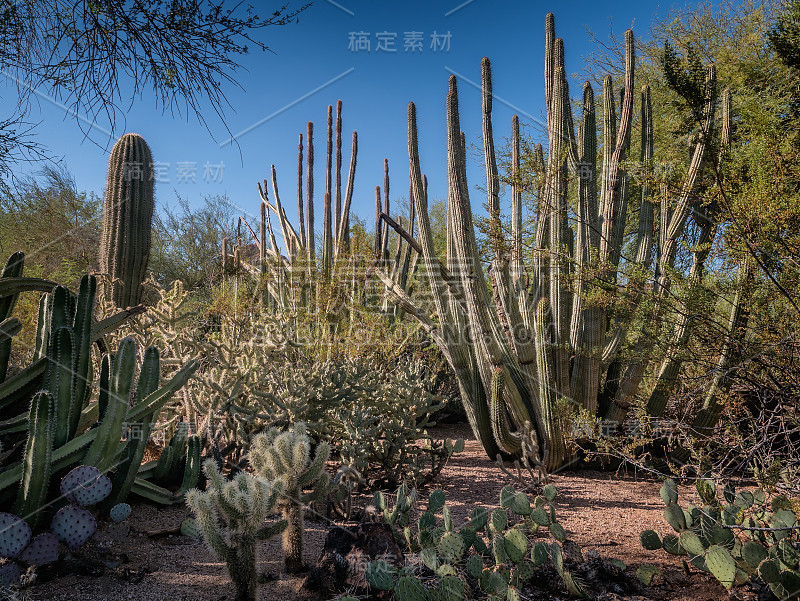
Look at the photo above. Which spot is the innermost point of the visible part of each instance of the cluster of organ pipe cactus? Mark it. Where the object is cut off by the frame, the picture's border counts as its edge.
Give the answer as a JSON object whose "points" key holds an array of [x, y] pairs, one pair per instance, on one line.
{"points": [[735, 537], [127, 218], [286, 457], [545, 337], [292, 281], [231, 517]]}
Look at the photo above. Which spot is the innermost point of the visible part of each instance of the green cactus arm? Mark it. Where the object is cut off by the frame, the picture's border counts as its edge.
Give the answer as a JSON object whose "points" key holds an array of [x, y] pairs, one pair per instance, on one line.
{"points": [[671, 365], [8, 328], [202, 506], [320, 489], [60, 382], [711, 410], [11, 286], [156, 400], [13, 269], [166, 461], [555, 450], [153, 492], [588, 320], [36, 462], [612, 201], [310, 239], [111, 323], [317, 467], [560, 293], [101, 453], [490, 161], [18, 385], [506, 440], [63, 457], [682, 206], [271, 530], [15, 424], [83, 324], [192, 470], [104, 385], [343, 229], [645, 232]]}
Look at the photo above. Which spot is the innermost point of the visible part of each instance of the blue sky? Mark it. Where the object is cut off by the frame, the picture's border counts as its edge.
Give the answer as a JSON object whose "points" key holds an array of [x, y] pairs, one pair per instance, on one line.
{"points": [[314, 65]]}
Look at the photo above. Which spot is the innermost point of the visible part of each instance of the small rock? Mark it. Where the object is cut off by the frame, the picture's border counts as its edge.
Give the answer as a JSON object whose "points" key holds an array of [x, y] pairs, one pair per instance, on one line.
{"points": [[346, 554]]}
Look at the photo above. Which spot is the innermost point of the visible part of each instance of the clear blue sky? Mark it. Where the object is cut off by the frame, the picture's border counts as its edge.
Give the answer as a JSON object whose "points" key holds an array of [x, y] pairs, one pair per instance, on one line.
{"points": [[313, 65]]}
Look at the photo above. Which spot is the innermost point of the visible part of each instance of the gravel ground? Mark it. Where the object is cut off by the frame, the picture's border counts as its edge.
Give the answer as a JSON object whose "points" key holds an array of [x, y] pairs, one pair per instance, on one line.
{"points": [[601, 511]]}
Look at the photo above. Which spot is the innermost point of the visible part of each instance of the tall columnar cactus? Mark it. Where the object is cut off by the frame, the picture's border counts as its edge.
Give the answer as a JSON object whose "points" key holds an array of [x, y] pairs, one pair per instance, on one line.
{"points": [[286, 457], [231, 516], [127, 218], [548, 335], [37, 459], [291, 276]]}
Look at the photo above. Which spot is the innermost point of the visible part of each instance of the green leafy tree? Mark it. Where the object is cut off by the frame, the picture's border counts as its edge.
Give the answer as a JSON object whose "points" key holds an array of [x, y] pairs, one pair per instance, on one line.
{"points": [[187, 242], [56, 226]]}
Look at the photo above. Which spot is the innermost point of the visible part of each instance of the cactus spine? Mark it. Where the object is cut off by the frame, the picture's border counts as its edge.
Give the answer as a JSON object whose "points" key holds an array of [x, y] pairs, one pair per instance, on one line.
{"points": [[231, 517], [286, 457], [127, 218]]}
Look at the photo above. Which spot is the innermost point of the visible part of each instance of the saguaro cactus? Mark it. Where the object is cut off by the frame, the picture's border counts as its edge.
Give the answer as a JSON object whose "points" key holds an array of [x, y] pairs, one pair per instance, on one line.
{"points": [[127, 218], [286, 457]]}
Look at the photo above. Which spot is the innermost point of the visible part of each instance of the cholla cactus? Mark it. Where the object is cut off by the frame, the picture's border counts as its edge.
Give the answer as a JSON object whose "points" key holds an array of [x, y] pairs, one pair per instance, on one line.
{"points": [[286, 457], [231, 517]]}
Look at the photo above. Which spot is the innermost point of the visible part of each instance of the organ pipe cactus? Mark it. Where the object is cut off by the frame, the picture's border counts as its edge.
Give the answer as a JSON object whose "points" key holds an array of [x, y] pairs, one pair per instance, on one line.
{"points": [[548, 330], [291, 281], [286, 457], [127, 218], [231, 516]]}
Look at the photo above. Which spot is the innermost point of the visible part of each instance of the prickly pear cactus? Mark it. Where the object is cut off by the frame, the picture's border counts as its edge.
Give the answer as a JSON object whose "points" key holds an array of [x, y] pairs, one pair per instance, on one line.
{"points": [[736, 537], [15, 534], [504, 538], [190, 528], [85, 485], [43, 549], [120, 512], [73, 526], [9, 575]]}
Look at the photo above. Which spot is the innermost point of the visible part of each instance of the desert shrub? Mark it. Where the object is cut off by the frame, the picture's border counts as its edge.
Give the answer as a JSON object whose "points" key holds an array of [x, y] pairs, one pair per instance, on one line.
{"points": [[257, 372]]}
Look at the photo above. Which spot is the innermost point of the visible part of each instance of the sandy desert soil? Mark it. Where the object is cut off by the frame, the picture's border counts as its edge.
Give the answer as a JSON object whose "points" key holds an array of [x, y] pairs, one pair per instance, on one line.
{"points": [[601, 511]]}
